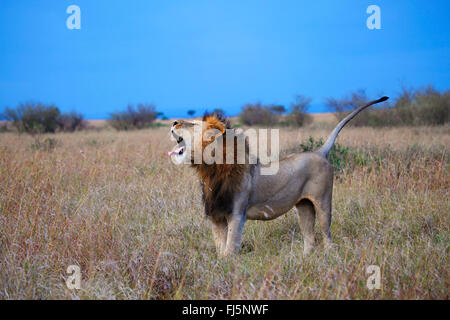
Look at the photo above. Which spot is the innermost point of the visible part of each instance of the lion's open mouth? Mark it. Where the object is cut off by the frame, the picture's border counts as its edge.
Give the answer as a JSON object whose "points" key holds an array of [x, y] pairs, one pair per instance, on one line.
{"points": [[178, 151]]}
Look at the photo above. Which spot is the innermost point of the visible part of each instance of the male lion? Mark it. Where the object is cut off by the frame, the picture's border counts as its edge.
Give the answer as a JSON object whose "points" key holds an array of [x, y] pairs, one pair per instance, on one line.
{"points": [[235, 192]]}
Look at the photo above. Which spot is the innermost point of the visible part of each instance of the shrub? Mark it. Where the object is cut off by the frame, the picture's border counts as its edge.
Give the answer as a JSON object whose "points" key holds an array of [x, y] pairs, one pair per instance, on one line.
{"points": [[341, 157], [3, 127], [341, 106], [33, 118], [299, 115], [36, 118], [425, 106], [70, 122], [256, 114], [338, 155], [133, 118]]}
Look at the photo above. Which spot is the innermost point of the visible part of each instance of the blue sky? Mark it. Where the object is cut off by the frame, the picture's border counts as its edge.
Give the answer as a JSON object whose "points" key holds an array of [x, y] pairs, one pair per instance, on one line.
{"points": [[210, 54]]}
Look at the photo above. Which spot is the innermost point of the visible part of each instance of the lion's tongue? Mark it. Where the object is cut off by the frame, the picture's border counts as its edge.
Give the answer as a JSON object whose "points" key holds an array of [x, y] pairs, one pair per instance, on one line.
{"points": [[176, 151]]}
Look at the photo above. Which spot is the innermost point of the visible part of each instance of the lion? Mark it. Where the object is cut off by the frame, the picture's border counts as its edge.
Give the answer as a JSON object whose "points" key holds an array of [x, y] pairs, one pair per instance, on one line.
{"points": [[234, 192]]}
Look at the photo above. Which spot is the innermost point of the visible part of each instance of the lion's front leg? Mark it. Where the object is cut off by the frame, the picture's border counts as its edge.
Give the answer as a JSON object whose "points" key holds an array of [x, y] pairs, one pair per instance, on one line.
{"points": [[220, 230], [235, 226]]}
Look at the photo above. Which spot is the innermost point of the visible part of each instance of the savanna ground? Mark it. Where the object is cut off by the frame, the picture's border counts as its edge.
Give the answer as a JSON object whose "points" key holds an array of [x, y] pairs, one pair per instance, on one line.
{"points": [[113, 204]]}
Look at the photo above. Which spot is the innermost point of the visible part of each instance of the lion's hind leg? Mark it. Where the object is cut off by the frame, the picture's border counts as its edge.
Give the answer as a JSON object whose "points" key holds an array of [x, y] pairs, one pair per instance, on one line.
{"points": [[306, 218], [325, 222], [324, 217]]}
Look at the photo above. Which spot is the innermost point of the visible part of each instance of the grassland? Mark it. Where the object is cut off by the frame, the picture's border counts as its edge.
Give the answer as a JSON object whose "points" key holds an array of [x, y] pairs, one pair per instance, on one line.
{"points": [[113, 204]]}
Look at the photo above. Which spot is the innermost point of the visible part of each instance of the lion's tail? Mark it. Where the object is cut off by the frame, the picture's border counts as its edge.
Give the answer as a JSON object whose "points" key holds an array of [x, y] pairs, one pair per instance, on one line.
{"points": [[325, 149]]}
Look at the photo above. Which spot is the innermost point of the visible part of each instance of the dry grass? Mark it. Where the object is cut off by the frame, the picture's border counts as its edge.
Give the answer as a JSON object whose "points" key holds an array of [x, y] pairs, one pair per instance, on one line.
{"points": [[112, 203]]}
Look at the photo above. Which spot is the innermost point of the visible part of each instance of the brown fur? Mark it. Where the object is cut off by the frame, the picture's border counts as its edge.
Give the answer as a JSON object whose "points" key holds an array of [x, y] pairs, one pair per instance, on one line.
{"points": [[220, 182]]}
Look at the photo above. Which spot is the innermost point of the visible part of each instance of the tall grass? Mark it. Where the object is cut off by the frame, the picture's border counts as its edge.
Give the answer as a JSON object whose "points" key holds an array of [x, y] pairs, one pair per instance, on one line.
{"points": [[112, 203]]}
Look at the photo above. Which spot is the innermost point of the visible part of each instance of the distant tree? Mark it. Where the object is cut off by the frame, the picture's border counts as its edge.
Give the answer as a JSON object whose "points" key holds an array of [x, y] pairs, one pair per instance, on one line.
{"points": [[423, 106], [299, 115], [191, 112], [343, 105], [33, 117], [256, 114], [133, 118], [412, 107], [70, 122]]}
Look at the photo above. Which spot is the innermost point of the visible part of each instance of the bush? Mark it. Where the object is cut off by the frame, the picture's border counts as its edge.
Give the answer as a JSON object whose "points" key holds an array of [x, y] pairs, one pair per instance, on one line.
{"points": [[33, 118], [256, 114], [133, 118], [340, 157], [3, 127], [425, 106], [70, 122], [341, 106], [299, 115]]}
